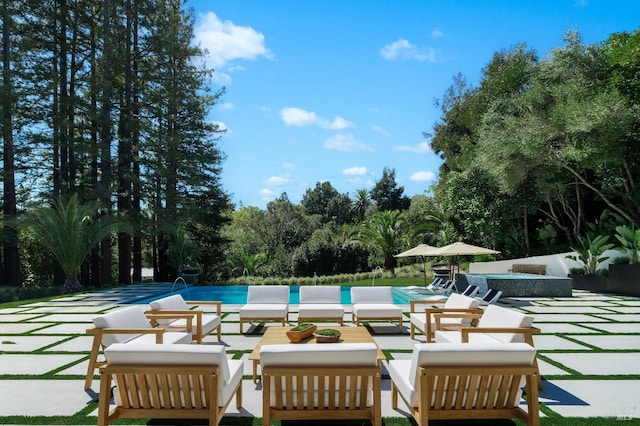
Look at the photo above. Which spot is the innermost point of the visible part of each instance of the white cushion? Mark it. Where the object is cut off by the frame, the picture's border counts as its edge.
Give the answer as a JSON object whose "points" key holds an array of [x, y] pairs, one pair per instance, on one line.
{"points": [[405, 374], [170, 303], [376, 310], [371, 295], [144, 354], [497, 316], [321, 355], [320, 294], [268, 294], [320, 310], [263, 310], [129, 317], [343, 354], [168, 338], [458, 301]]}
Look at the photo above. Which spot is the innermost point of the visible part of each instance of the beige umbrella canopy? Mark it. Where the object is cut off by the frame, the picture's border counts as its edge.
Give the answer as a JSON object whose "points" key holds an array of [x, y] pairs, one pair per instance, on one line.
{"points": [[461, 249], [421, 250]]}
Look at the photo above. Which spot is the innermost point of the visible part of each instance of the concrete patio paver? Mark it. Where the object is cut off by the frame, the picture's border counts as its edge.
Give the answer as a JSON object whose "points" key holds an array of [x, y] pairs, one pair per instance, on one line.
{"points": [[589, 334]]}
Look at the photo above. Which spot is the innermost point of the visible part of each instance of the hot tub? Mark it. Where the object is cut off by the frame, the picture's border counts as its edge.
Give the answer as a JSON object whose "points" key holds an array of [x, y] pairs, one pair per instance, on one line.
{"points": [[519, 285]]}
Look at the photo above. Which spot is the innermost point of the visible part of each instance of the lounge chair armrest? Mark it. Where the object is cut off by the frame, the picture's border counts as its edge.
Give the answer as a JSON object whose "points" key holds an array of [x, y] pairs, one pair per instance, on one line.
{"points": [[528, 332], [217, 303], [98, 332], [415, 302], [188, 315], [471, 314]]}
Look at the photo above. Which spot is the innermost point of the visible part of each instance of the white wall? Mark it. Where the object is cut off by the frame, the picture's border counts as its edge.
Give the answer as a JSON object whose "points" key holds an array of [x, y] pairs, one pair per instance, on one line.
{"points": [[557, 264]]}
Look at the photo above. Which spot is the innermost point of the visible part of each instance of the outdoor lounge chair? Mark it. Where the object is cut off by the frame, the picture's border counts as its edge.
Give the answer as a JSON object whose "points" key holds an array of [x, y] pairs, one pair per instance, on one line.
{"points": [[495, 325], [490, 297], [203, 323], [320, 303], [471, 290], [443, 288], [330, 381], [266, 303], [169, 382], [128, 325], [425, 321], [374, 303], [467, 381]]}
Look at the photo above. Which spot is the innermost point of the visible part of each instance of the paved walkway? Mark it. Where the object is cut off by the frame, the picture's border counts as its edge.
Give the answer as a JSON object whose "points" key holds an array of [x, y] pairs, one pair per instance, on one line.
{"points": [[589, 354]]}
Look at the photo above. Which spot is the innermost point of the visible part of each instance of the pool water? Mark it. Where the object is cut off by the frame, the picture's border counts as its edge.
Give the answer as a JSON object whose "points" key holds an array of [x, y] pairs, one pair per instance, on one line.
{"points": [[237, 294]]}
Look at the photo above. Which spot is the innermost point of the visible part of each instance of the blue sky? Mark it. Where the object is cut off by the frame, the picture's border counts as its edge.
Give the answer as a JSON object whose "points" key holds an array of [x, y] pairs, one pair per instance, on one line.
{"points": [[337, 90]]}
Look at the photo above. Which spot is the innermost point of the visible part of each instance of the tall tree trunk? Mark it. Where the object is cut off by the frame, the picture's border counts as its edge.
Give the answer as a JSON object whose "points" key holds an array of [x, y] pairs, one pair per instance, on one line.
{"points": [[135, 143], [105, 143], [11, 260]]}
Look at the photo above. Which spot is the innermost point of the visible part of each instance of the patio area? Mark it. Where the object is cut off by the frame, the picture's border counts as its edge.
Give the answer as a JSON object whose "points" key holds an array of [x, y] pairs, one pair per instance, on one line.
{"points": [[588, 353]]}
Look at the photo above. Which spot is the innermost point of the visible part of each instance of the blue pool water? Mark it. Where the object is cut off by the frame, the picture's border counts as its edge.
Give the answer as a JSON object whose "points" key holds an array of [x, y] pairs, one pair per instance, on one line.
{"points": [[237, 294]]}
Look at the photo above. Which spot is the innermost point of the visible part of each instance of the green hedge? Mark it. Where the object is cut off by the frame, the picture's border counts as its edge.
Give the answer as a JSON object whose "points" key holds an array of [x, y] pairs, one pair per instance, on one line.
{"points": [[16, 294]]}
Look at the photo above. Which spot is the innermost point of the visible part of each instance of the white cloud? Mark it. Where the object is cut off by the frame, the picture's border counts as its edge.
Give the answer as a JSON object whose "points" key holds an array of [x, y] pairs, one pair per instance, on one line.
{"points": [[421, 148], [278, 180], [226, 106], [289, 166], [299, 117], [422, 176], [221, 125], [226, 42], [380, 130], [346, 143], [267, 194], [437, 32], [403, 50], [355, 171]]}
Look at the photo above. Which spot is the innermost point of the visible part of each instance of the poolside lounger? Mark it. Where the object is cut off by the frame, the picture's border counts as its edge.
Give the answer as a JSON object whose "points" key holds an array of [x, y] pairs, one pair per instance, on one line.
{"points": [[490, 297]]}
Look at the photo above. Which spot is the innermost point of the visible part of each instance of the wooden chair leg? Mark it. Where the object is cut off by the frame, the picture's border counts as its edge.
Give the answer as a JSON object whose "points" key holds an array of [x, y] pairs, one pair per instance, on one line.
{"points": [[93, 359]]}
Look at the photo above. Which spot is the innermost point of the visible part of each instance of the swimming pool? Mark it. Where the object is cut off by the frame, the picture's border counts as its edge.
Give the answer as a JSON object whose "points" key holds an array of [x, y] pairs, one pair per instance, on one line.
{"points": [[237, 294]]}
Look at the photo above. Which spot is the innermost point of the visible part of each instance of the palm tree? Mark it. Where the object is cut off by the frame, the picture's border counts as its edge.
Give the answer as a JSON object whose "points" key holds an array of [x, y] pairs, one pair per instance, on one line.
{"points": [[383, 232], [70, 231], [360, 204]]}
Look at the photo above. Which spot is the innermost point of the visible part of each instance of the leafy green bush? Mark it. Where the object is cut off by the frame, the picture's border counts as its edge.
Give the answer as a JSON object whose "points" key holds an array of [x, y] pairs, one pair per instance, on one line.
{"points": [[15, 294]]}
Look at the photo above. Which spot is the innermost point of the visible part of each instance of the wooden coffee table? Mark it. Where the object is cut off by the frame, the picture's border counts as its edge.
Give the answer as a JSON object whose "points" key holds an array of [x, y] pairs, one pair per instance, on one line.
{"points": [[278, 335]]}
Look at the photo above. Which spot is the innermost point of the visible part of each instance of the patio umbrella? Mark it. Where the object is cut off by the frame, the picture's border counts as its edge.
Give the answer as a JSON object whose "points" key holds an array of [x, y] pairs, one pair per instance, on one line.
{"points": [[461, 249], [421, 250]]}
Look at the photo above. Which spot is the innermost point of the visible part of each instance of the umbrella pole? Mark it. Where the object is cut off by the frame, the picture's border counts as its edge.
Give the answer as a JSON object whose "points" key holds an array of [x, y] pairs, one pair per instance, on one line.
{"points": [[424, 268]]}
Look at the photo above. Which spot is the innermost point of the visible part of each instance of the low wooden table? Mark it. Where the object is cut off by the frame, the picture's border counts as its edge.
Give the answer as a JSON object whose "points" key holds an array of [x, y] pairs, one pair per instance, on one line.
{"points": [[278, 335]]}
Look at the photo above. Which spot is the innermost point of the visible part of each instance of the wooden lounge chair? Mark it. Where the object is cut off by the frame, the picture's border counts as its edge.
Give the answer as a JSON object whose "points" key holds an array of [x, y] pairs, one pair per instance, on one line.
{"points": [[424, 321], [323, 381], [495, 325], [266, 303], [467, 381], [129, 325], [203, 323], [374, 304], [320, 303], [169, 382]]}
